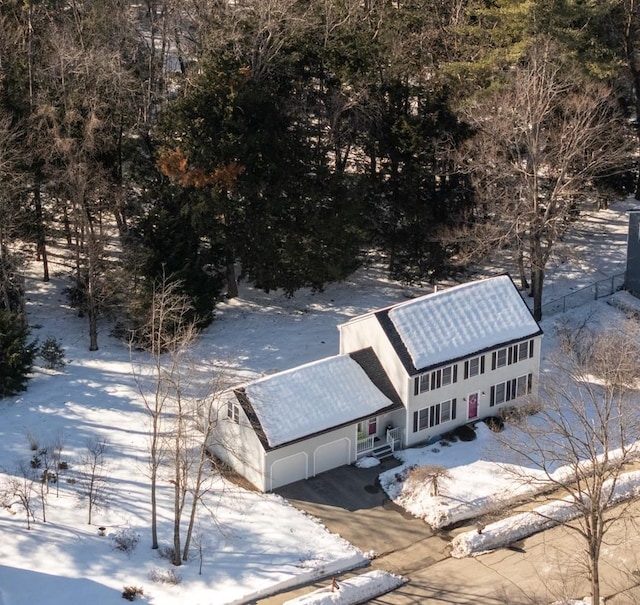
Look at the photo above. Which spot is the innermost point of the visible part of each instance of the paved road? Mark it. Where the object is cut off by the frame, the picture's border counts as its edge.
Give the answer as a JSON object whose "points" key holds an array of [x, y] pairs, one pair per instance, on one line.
{"points": [[539, 570]]}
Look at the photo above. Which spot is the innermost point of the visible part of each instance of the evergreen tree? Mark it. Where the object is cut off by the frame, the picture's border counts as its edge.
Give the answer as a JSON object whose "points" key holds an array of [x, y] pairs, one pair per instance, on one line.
{"points": [[16, 353], [258, 178], [173, 248], [416, 190]]}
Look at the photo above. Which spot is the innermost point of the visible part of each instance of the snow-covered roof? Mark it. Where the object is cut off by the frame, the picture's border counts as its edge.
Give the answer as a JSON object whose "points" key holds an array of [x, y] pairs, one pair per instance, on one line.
{"points": [[314, 397], [462, 320]]}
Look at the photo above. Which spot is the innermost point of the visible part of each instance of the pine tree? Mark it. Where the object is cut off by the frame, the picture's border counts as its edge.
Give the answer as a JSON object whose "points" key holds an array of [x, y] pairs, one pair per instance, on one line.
{"points": [[16, 353]]}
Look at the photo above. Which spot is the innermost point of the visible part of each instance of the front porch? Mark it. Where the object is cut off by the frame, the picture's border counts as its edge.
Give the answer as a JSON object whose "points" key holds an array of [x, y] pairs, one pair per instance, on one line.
{"points": [[379, 446]]}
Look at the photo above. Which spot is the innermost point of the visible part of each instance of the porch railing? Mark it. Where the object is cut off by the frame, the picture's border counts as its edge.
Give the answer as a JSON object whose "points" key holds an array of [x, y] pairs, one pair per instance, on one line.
{"points": [[394, 435], [366, 444]]}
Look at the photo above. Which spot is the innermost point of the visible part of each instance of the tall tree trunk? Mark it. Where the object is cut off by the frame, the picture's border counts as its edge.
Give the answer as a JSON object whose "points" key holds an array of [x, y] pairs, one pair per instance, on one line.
{"points": [[177, 558], [92, 279], [4, 277], [41, 244], [537, 270], [93, 316], [197, 486], [636, 81], [594, 571], [154, 478], [524, 284], [537, 278], [232, 281], [633, 61]]}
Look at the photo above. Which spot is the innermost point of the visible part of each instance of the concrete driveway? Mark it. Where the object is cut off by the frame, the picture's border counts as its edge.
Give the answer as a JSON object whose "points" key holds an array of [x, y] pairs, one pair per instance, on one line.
{"points": [[350, 502], [538, 570]]}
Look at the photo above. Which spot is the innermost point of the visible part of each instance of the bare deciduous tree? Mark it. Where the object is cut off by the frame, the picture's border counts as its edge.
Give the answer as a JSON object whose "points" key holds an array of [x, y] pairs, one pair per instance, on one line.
{"points": [[167, 312], [541, 143], [21, 487], [430, 474], [182, 407], [56, 449], [203, 417], [94, 461], [586, 432]]}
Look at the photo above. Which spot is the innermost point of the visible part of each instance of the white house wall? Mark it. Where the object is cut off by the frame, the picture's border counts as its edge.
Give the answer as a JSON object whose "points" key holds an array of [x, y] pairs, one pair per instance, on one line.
{"points": [[365, 332], [460, 390], [237, 445]]}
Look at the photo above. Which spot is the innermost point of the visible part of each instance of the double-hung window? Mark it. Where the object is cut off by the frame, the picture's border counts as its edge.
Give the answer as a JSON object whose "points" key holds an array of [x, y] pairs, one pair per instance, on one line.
{"points": [[434, 415], [233, 412], [430, 381], [445, 410], [509, 390], [474, 367], [501, 358], [512, 354]]}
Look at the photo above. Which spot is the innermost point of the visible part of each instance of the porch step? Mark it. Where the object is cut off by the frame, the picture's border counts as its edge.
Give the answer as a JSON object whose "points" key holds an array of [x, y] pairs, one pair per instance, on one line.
{"points": [[381, 452]]}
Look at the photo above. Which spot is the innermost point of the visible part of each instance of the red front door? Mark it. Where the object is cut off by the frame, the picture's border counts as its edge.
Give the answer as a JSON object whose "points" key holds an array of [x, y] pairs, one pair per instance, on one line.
{"points": [[473, 406]]}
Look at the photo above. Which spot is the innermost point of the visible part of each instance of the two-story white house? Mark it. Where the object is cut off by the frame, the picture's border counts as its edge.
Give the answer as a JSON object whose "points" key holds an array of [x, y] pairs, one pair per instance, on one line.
{"points": [[405, 375]]}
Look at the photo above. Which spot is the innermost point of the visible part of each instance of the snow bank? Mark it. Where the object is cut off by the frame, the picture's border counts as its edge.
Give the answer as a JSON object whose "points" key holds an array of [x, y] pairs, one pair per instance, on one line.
{"points": [[367, 462], [317, 573], [354, 590], [517, 527]]}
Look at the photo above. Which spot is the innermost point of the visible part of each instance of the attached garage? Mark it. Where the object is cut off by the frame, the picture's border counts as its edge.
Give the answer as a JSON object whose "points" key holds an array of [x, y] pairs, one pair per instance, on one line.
{"points": [[304, 421], [331, 455], [289, 469]]}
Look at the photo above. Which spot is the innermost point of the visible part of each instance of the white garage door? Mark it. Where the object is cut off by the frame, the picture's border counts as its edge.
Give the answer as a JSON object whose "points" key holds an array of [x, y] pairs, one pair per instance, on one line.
{"points": [[331, 455], [289, 469]]}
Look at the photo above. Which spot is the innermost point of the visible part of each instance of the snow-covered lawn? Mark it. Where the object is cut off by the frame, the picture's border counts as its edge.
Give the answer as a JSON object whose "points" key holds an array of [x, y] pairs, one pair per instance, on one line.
{"points": [[250, 544]]}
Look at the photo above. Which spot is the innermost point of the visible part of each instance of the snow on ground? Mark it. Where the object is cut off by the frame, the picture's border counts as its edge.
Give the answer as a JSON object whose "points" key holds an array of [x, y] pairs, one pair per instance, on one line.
{"points": [[250, 543]]}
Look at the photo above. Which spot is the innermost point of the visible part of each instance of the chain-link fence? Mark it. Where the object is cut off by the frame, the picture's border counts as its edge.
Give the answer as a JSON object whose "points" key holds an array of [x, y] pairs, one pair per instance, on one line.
{"points": [[599, 289]]}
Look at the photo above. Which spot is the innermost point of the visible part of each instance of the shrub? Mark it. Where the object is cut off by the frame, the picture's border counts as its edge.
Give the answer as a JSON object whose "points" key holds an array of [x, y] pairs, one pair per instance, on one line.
{"points": [[52, 353], [465, 432], [165, 576], [125, 540], [495, 424], [34, 445], [519, 413], [429, 474], [131, 592], [166, 552], [16, 353], [449, 436]]}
